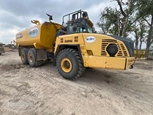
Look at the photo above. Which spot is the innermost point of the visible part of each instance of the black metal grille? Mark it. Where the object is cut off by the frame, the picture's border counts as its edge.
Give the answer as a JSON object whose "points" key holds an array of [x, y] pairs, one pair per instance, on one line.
{"points": [[121, 48]]}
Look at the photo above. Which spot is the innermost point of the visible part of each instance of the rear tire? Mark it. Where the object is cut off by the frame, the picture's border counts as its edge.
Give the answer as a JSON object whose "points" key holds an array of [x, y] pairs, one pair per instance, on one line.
{"points": [[24, 52], [32, 58], [69, 64]]}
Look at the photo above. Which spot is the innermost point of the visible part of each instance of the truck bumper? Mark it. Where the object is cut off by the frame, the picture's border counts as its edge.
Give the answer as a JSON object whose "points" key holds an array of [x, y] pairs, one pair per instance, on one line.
{"points": [[118, 63]]}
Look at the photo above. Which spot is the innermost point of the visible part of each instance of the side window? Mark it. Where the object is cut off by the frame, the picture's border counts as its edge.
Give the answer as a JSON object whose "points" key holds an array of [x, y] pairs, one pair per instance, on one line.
{"points": [[70, 29], [83, 29]]}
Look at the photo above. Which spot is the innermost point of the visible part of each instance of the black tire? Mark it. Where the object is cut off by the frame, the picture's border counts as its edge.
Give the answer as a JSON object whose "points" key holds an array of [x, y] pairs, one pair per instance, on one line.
{"points": [[72, 57], [32, 58], [24, 58]]}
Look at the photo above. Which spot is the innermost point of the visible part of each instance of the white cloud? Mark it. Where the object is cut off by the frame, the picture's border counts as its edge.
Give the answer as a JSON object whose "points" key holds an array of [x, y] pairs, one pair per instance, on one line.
{"points": [[8, 35], [16, 15]]}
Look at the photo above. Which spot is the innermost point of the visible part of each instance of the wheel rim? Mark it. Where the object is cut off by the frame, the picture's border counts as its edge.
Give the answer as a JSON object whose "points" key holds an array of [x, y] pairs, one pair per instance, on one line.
{"points": [[30, 58], [66, 65], [22, 56]]}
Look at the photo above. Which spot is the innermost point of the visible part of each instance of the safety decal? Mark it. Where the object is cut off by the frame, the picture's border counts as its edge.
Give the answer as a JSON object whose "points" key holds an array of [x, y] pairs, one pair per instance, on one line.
{"points": [[19, 35], [90, 39]]}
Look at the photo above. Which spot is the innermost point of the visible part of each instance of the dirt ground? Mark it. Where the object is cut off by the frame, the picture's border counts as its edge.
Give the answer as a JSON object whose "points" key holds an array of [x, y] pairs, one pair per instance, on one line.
{"points": [[42, 91]]}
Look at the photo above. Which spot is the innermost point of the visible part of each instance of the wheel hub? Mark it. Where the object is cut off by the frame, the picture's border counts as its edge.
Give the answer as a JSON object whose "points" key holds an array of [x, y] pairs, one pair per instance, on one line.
{"points": [[66, 65], [30, 58], [22, 56]]}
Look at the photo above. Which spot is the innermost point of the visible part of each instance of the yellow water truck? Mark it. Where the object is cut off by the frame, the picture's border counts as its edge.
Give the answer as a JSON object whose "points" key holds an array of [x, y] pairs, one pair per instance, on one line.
{"points": [[73, 46], [34, 43]]}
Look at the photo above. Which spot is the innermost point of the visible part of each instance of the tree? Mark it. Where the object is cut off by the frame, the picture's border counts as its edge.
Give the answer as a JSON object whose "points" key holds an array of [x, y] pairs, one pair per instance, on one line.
{"points": [[139, 29], [125, 13], [146, 12], [130, 16], [118, 21], [109, 22]]}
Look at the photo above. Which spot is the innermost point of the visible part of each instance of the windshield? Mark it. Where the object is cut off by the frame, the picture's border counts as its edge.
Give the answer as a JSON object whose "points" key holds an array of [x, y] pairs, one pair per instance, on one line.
{"points": [[80, 26], [77, 29], [87, 29]]}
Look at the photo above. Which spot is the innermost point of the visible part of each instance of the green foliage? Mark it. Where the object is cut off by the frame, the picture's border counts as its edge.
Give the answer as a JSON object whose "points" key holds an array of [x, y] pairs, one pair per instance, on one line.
{"points": [[132, 16], [145, 7], [114, 21], [108, 19]]}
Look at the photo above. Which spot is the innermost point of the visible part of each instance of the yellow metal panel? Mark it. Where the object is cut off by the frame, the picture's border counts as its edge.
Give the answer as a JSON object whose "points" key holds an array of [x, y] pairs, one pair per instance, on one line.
{"points": [[26, 40], [130, 61], [108, 62], [37, 46], [40, 36], [95, 46], [69, 39], [48, 34], [31, 40], [19, 38], [99, 45], [122, 49]]}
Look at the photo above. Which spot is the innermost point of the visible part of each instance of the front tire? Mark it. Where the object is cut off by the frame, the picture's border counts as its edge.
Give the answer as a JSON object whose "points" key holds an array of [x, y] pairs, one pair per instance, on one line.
{"points": [[69, 64]]}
